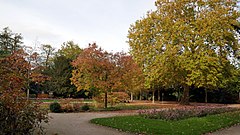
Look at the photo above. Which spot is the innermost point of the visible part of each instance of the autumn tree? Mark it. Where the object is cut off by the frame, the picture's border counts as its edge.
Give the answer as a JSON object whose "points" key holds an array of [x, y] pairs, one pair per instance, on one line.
{"points": [[18, 115], [94, 68], [132, 78], [187, 43]]}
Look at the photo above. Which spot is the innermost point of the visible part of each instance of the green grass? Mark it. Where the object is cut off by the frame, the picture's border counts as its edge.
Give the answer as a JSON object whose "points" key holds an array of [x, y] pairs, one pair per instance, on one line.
{"points": [[45, 100], [133, 107], [191, 126], [124, 107]]}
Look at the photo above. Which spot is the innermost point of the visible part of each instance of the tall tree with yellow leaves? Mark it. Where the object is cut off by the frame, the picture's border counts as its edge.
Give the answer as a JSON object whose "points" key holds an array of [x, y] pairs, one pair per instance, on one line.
{"points": [[187, 43]]}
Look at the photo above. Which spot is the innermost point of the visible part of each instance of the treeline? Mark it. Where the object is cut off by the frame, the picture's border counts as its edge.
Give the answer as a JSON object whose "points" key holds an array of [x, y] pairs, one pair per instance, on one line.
{"points": [[71, 72], [74, 72]]}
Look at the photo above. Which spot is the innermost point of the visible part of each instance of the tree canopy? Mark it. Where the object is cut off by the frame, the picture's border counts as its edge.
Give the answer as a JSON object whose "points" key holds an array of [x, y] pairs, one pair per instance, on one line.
{"points": [[70, 50], [94, 68], [187, 43], [132, 78], [9, 41]]}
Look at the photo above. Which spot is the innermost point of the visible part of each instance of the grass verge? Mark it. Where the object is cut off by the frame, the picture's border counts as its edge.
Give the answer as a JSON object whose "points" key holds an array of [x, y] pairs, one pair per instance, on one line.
{"points": [[191, 126], [124, 107]]}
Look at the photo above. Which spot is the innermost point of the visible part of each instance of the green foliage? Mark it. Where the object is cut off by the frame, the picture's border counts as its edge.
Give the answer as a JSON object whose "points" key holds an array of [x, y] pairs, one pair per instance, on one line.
{"points": [[60, 71], [85, 107], [70, 50], [55, 107], [187, 43], [60, 74], [124, 106], [133, 107], [9, 42], [191, 126]]}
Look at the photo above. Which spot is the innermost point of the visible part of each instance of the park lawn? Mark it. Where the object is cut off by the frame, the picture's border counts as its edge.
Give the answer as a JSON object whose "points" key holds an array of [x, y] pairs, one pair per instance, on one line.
{"points": [[125, 106], [191, 126]]}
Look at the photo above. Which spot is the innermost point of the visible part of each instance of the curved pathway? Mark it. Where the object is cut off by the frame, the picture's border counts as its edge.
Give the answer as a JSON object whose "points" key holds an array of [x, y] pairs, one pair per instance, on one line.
{"points": [[78, 124], [234, 130]]}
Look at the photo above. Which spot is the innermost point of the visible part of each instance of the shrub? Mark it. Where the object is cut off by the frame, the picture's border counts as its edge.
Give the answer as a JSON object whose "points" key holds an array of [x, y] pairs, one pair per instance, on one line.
{"points": [[67, 108], [76, 106], [184, 112], [18, 116], [55, 107], [21, 117], [85, 107]]}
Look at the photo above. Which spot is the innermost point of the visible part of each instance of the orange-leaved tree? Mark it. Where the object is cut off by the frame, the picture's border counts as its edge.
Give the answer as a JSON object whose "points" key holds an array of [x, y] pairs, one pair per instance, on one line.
{"points": [[132, 78], [96, 68], [18, 115]]}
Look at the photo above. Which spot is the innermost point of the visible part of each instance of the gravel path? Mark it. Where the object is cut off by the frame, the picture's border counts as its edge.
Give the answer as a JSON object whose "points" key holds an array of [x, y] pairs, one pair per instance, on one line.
{"points": [[234, 130], [78, 124]]}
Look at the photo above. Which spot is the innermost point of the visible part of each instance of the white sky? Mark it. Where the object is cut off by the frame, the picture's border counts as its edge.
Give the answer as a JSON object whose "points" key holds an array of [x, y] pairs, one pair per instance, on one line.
{"points": [[105, 22]]}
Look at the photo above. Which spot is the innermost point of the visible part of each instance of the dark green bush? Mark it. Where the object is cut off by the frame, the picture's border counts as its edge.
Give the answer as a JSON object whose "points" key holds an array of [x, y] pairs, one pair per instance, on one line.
{"points": [[85, 107], [55, 107]]}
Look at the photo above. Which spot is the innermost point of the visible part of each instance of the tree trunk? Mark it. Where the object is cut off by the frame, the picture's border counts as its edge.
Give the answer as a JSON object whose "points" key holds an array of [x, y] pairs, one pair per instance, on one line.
{"points": [[105, 101], [162, 95], [131, 96], [28, 93], [140, 97], [239, 96], [185, 97], [158, 95], [153, 96], [179, 96], [206, 96]]}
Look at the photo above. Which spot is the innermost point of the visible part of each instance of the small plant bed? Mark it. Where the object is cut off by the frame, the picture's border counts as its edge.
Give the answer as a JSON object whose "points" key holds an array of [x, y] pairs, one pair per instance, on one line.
{"points": [[190, 126], [184, 112]]}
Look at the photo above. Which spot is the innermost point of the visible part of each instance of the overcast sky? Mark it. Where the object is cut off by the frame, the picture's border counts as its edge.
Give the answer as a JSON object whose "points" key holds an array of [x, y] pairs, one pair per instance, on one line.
{"points": [[105, 22]]}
